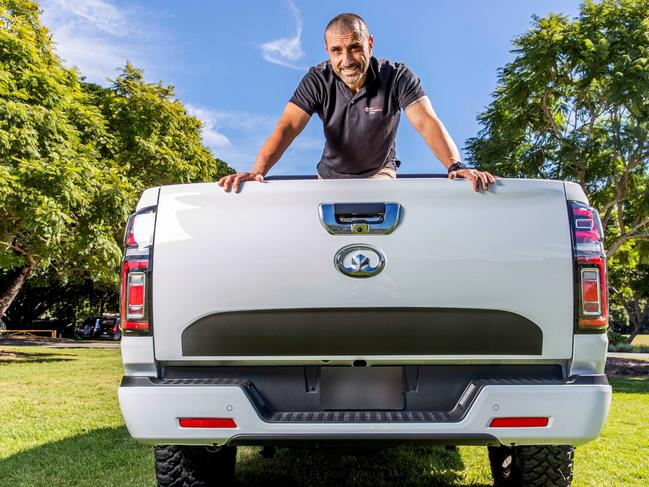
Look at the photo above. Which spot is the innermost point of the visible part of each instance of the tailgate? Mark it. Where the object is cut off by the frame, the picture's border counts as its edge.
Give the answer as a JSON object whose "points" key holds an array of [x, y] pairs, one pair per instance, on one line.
{"points": [[251, 276]]}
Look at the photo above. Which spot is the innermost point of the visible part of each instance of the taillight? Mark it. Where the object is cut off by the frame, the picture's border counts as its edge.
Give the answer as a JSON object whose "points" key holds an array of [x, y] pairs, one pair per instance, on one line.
{"points": [[139, 231], [591, 299], [136, 273], [135, 295]]}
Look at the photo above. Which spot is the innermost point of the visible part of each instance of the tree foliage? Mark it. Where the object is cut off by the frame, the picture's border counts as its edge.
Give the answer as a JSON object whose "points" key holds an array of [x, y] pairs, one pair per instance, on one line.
{"points": [[156, 142], [75, 156], [574, 105], [59, 199]]}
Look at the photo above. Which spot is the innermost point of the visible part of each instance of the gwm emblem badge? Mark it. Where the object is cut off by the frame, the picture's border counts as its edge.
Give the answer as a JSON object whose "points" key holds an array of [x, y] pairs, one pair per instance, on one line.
{"points": [[359, 261]]}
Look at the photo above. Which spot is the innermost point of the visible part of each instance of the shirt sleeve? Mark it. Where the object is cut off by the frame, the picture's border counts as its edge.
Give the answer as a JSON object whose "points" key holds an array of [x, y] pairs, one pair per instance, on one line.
{"points": [[408, 87], [307, 96]]}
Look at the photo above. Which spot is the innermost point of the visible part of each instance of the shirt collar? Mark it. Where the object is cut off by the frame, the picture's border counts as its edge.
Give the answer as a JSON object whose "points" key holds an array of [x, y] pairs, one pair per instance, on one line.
{"points": [[371, 71]]}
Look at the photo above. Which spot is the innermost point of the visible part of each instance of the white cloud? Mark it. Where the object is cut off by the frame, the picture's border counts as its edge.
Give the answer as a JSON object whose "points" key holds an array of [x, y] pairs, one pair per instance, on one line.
{"points": [[211, 135], [236, 137], [94, 58], [98, 13], [244, 121], [95, 36], [286, 52]]}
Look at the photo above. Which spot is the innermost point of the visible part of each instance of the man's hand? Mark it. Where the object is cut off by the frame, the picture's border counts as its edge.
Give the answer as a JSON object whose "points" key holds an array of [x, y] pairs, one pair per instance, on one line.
{"points": [[227, 182], [478, 178]]}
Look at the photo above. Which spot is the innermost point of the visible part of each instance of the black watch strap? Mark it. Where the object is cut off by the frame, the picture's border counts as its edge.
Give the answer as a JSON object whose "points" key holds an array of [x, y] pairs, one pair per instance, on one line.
{"points": [[456, 166]]}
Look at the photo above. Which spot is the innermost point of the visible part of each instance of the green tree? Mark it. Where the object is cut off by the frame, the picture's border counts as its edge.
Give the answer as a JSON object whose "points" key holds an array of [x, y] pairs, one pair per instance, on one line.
{"points": [[60, 201], [74, 158], [156, 141], [574, 105]]}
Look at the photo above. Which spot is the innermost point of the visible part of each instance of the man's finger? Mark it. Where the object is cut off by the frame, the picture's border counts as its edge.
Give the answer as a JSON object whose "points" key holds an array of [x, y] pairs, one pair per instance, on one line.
{"points": [[230, 183], [474, 180], [237, 181], [483, 179], [227, 183]]}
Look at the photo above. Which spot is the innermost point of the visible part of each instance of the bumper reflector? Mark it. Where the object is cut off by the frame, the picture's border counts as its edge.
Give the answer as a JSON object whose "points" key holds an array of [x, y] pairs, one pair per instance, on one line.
{"points": [[519, 422], [207, 423]]}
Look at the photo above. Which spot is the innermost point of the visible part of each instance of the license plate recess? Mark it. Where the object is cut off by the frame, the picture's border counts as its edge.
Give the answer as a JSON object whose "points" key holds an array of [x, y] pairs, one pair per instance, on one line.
{"points": [[361, 388]]}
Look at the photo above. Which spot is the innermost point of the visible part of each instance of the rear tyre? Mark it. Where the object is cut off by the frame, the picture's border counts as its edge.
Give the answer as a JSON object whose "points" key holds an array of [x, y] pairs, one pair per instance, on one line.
{"points": [[194, 466], [542, 466]]}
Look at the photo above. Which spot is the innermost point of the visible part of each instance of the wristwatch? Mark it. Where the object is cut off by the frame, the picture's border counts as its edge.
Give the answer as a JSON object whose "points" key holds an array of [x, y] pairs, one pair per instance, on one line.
{"points": [[456, 166]]}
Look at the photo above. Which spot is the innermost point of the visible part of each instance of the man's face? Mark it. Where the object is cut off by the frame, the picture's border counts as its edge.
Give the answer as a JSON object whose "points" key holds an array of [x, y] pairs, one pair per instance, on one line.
{"points": [[349, 54]]}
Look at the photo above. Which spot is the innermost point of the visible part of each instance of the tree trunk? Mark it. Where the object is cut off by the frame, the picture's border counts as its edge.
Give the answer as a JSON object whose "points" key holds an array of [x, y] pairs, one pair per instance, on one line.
{"points": [[9, 294], [637, 318]]}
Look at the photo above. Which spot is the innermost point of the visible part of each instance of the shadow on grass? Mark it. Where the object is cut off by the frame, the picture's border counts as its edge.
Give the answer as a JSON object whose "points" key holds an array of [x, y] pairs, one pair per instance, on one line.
{"points": [[634, 385], [103, 457], [403, 466], [15, 357], [109, 457]]}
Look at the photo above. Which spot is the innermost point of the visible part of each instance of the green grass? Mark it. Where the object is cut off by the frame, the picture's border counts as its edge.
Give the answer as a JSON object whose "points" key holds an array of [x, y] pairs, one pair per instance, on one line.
{"points": [[61, 426]]}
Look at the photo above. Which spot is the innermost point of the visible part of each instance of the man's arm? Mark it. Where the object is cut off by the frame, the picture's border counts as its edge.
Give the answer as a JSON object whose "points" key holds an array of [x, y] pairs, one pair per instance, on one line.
{"points": [[289, 126], [422, 116]]}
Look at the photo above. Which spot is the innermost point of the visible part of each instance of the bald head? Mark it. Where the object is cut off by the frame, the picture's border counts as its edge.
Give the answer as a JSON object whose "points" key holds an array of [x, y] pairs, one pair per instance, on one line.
{"points": [[346, 23]]}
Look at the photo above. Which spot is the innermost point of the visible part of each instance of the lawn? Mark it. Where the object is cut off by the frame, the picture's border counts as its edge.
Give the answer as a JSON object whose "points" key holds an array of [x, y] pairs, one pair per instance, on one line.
{"points": [[61, 426]]}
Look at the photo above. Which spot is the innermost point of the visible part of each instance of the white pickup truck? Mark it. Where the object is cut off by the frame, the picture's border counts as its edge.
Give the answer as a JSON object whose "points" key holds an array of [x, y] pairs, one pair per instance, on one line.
{"points": [[365, 313]]}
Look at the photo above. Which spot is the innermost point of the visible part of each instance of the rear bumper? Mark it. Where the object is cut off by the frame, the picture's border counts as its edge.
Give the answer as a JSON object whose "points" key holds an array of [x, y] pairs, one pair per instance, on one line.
{"points": [[577, 410]]}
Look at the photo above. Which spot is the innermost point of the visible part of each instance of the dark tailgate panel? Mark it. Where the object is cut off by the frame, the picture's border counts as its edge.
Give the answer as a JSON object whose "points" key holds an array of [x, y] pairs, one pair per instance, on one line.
{"points": [[362, 331]]}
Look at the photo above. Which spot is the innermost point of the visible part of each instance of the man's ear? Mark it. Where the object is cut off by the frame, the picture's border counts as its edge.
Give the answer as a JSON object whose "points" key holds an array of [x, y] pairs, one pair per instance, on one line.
{"points": [[370, 43]]}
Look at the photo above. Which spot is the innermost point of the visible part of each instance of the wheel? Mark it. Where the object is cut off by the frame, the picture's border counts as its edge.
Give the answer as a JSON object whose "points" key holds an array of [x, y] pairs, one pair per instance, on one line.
{"points": [[542, 466], [194, 466]]}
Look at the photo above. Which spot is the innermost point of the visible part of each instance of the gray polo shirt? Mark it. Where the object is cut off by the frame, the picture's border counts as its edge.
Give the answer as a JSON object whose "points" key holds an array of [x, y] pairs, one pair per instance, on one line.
{"points": [[360, 130]]}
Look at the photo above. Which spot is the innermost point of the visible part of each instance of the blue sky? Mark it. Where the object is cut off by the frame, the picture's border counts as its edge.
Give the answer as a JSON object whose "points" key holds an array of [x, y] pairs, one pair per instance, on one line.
{"points": [[236, 64]]}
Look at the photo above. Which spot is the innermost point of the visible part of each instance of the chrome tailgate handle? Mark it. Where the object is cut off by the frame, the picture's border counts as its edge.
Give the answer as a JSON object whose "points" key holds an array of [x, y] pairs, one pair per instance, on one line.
{"points": [[359, 218]]}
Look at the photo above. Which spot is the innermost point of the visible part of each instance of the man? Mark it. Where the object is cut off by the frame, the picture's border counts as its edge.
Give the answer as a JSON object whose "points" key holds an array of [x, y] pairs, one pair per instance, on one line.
{"points": [[359, 98]]}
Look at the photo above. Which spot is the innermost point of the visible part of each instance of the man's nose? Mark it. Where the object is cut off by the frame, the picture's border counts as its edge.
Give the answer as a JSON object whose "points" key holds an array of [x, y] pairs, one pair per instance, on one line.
{"points": [[348, 59]]}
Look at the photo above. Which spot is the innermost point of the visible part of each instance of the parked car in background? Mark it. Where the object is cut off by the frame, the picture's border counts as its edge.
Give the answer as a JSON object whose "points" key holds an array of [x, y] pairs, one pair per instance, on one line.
{"points": [[87, 328], [109, 329], [105, 327]]}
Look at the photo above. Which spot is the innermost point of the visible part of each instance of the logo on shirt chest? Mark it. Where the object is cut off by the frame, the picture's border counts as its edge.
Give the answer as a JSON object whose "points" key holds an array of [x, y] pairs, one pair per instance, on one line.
{"points": [[373, 109]]}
